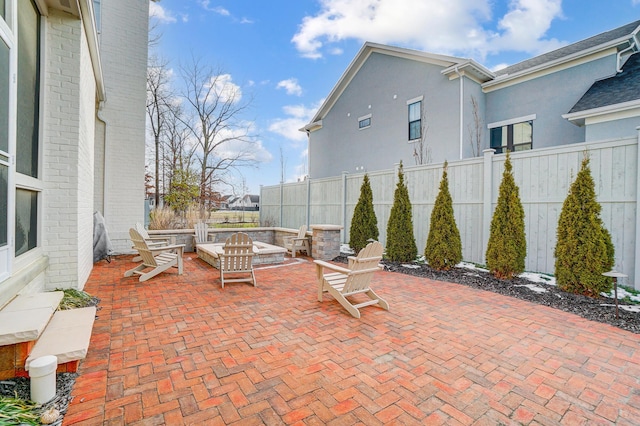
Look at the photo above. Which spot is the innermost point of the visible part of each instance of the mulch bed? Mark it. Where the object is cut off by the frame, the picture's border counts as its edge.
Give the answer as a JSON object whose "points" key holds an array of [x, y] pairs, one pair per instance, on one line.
{"points": [[594, 309]]}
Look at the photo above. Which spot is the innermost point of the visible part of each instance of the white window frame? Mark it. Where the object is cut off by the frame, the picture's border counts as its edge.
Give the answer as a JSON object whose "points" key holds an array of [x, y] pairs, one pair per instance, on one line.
{"points": [[361, 119], [409, 102], [522, 119], [8, 37], [9, 262]]}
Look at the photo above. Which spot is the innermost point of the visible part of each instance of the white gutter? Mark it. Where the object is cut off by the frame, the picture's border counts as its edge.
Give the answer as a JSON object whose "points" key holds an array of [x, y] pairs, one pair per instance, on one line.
{"points": [[577, 55], [461, 107], [633, 46], [88, 19]]}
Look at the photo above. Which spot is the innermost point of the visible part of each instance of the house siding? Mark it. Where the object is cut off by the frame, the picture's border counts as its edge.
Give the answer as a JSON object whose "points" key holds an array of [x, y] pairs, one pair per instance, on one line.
{"points": [[612, 129], [123, 47], [549, 97], [340, 146]]}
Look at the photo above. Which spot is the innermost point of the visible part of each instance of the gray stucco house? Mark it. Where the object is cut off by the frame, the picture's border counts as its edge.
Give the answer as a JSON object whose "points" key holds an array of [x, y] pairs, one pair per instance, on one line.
{"points": [[395, 104]]}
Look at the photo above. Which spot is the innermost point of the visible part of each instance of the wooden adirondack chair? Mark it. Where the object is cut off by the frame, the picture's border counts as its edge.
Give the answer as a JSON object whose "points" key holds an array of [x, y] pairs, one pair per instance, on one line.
{"points": [[237, 259], [299, 243], [345, 282], [152, 242], [159, 259], [201, 233]]}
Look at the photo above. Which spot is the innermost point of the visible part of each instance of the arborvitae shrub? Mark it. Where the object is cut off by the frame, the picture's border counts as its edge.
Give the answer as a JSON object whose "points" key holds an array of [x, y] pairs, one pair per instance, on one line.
{"points": [[584, 249], [364, 224], [507, 247], [444, 247], [401, 244]]}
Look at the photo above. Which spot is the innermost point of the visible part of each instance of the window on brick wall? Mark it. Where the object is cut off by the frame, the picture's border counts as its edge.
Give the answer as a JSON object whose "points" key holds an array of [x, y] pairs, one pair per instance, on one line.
{"points": [[20, 183]]}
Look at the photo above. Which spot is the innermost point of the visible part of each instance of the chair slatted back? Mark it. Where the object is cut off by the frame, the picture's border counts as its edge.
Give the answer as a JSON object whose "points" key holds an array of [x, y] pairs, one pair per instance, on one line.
{"points": [[302, 232], [363, 267], [142, 231], [238, 253], [202, 232], [140, 244]]}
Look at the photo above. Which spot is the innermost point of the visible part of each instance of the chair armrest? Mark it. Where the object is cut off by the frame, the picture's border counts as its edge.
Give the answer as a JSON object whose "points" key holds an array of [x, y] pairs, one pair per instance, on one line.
{"points": [[331, 266], [300, 238], [179, 247]]}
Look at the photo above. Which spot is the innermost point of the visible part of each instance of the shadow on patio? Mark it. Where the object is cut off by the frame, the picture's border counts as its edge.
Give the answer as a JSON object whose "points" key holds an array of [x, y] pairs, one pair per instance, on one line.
{"points": [[179, 349]]}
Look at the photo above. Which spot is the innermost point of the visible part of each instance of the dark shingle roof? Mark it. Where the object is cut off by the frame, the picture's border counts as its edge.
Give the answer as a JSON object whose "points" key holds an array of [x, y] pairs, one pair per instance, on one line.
{"points": [[623, 87], [596, 40]]}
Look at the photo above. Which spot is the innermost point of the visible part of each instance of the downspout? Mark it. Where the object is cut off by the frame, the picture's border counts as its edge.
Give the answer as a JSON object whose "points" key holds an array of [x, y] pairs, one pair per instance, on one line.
{"points": [[461, 107], [633, 46]]}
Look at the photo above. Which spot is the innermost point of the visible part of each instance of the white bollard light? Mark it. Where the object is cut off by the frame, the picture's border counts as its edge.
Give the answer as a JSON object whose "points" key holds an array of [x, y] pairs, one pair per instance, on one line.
{"points": [[43, 378]]}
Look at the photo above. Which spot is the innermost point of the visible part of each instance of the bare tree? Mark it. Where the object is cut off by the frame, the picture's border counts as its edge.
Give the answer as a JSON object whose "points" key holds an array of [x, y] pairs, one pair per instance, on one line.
{"points": [[215, 107], [177, 153], [475, 129], [158, 99]]}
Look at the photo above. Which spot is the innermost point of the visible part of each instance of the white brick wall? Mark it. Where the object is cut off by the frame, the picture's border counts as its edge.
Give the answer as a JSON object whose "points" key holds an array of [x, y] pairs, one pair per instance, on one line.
{"points": [[61, 136], [86, 163], [123, 48]]}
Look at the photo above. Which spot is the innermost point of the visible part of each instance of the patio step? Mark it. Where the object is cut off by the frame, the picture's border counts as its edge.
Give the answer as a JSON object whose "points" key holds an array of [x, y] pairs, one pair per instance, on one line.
{"points": [[67, 337]]}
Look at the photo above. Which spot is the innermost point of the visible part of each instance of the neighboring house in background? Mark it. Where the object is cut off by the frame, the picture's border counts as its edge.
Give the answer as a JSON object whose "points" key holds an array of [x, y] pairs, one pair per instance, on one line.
{"points": [[391, 100], [72, 115], [251, 202]]}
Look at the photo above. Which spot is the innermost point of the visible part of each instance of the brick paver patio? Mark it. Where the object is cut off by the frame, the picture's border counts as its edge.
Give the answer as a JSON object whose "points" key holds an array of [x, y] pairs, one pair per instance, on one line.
{"points": [[180, 350]]}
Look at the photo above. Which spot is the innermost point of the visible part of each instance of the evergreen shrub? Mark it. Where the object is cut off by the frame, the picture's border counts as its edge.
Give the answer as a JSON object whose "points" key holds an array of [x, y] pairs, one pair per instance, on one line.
{"points": [[584, 249], [364, 224], [401, 244], [444, 247], [507, 247]]}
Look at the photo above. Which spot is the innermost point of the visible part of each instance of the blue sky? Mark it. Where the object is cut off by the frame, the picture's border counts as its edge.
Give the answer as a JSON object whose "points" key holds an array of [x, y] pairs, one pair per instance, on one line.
{"points": [[288, 54]]}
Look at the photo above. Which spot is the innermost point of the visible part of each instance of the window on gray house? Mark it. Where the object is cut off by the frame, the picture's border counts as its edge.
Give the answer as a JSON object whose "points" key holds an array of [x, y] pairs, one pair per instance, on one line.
{"points": [[363, 123], [3, 9], [512, 137], [415, 120]]}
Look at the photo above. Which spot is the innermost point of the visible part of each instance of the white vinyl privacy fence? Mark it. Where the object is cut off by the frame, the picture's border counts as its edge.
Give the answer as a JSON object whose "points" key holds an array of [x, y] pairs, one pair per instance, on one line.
{"points": [[543, 176]]}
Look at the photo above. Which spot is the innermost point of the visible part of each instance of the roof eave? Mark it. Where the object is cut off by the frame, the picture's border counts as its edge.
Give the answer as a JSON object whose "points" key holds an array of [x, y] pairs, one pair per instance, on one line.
{"points": [[579, 117], [502, 78], [367, 49]]}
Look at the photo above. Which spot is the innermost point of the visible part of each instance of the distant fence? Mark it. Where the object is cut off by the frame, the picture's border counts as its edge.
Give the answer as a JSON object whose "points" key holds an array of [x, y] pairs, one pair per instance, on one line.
{"points": [[543, 176]]}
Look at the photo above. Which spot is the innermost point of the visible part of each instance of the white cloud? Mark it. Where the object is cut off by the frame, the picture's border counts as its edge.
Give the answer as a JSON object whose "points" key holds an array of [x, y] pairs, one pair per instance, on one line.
{"points": [[216, 9], [225, 88], [160, 13], [297, 116], [461, 27], [291, 86]]}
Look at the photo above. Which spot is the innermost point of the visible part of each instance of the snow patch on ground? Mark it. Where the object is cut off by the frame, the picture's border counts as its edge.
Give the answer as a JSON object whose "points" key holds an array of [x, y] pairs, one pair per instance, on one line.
{"points": [[533, 287], [410, 266], [467, 265], [622, 293], [538, 278], [346, 250], [629, 308]]}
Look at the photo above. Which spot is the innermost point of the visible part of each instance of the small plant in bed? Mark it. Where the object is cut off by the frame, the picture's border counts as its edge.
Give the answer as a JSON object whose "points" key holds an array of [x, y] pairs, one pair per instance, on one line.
{"points": [[74, 298], [14, 411]]}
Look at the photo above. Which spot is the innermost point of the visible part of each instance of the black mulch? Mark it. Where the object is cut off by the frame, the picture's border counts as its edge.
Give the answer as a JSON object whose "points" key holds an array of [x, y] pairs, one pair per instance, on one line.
{"points": [[587, 307]]}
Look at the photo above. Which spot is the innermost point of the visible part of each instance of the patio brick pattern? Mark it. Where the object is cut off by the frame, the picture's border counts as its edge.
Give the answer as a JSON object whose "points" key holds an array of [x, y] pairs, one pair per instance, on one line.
{"points": [[181, 350]]}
